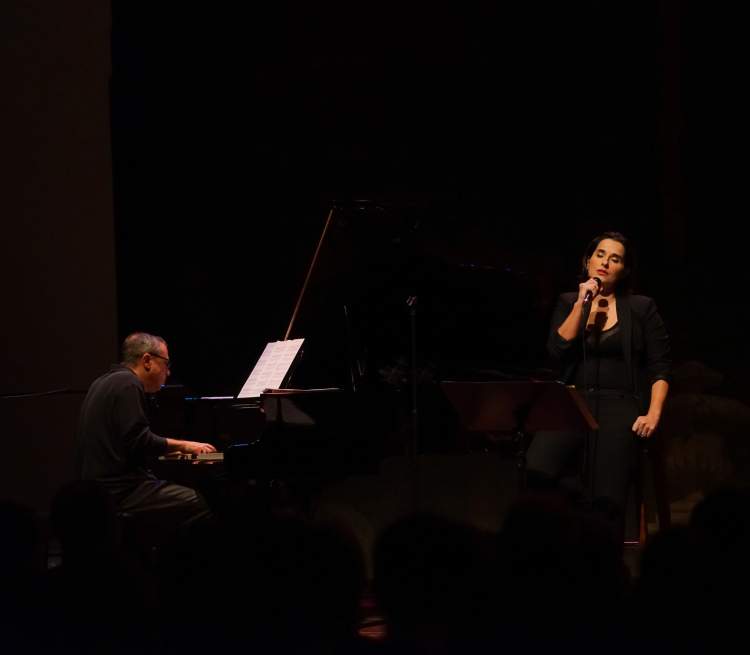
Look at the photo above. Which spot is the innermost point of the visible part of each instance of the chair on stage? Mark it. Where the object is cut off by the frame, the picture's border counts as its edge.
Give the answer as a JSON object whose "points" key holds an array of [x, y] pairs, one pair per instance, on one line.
{"points": [[651, 458]]}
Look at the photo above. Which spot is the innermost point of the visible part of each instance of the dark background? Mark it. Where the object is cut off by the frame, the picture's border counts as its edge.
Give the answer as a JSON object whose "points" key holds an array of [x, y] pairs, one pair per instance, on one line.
{"points": [[170, 168], [493, 141]]}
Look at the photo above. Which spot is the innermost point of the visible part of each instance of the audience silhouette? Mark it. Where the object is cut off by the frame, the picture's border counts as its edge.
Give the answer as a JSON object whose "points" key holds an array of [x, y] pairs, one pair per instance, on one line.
{"points": [[697, 572], [552, 578], [21, 577], [101, 598]]}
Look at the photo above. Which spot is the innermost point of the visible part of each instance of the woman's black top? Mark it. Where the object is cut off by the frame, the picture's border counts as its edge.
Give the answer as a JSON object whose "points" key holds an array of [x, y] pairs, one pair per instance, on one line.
{"points": [[631, 358]]}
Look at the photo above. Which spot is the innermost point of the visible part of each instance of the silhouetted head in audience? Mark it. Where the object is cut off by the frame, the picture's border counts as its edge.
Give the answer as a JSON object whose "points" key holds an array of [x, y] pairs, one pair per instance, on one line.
{"points": [[667, 572], [720, 526], [22, 568], [430, 574], [697, 572], [299, 583], [102, 600], [21, 553], [722, 519], [563, 563], [84, 519], [315, 579]]}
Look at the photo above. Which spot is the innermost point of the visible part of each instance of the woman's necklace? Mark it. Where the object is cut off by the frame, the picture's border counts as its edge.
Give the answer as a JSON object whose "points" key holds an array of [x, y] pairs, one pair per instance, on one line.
{"points": [[598, 318]]}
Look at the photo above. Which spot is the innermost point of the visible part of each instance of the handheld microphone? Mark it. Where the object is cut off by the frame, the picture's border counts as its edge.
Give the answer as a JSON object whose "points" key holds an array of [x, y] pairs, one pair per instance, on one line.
{"points": [[589, 295]]}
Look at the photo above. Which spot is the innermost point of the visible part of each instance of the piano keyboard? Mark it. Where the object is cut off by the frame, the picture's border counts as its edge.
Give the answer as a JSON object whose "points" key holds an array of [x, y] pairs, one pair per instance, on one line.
{"points": [[209, 457], [202, 457]]}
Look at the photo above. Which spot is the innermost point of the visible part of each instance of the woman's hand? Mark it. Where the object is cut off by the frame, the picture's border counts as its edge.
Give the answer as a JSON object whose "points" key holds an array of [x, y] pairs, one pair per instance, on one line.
{"points": [[645, 426], [592, 285]]}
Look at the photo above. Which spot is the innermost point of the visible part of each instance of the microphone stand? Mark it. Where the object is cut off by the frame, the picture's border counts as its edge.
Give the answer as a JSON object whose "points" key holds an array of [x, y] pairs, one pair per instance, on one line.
{"points": [[350, 348], [411, 302], [589, 452]]}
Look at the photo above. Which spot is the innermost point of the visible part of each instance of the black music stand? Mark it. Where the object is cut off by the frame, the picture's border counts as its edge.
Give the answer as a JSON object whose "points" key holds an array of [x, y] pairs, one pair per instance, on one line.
{"points": [[518, 408]]}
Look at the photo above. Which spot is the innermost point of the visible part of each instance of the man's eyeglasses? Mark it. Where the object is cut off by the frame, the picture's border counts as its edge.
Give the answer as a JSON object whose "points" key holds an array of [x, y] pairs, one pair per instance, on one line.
{"points": [[166, 359]]}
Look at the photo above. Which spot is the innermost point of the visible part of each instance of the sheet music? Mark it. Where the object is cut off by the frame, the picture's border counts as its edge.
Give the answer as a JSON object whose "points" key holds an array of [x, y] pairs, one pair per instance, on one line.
{"points": [[272, 366]]}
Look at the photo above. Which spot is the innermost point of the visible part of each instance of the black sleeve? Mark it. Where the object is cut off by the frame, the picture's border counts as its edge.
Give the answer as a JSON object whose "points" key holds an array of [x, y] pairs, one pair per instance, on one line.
{"points": [[560, 349], [133, 425], [658, 352]]}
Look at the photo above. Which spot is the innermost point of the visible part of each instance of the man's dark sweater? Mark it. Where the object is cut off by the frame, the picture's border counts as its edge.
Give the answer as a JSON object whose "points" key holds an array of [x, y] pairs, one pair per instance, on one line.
{"points": [[114, 436]]}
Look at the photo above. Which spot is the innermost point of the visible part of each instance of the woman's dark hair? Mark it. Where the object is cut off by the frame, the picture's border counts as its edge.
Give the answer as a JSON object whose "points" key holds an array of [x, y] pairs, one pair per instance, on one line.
{"points": [[626, 282]]}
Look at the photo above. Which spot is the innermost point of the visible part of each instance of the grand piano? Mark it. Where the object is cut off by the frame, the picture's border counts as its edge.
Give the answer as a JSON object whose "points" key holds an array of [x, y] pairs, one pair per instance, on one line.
{"points": [[388, 311]]}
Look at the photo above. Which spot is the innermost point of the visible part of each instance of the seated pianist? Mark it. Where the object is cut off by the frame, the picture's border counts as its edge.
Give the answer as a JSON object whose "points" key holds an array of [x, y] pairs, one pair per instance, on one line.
{"points": [[114, 439]]}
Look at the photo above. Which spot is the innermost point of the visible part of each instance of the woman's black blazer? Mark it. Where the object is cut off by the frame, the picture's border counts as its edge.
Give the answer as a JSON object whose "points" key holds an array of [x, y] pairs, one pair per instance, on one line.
{"points": [[645, 341]]}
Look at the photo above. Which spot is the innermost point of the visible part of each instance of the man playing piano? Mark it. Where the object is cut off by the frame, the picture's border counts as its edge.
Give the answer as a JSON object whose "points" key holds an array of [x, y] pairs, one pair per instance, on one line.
{"points": [[114, 439]]}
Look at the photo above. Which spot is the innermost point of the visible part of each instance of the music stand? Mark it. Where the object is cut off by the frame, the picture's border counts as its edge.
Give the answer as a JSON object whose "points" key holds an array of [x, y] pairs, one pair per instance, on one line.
{"points": [[519, 408]]}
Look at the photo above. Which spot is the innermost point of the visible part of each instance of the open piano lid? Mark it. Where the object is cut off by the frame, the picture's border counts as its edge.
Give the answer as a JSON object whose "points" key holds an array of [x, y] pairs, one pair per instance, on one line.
{"points": [[475, 316]]}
